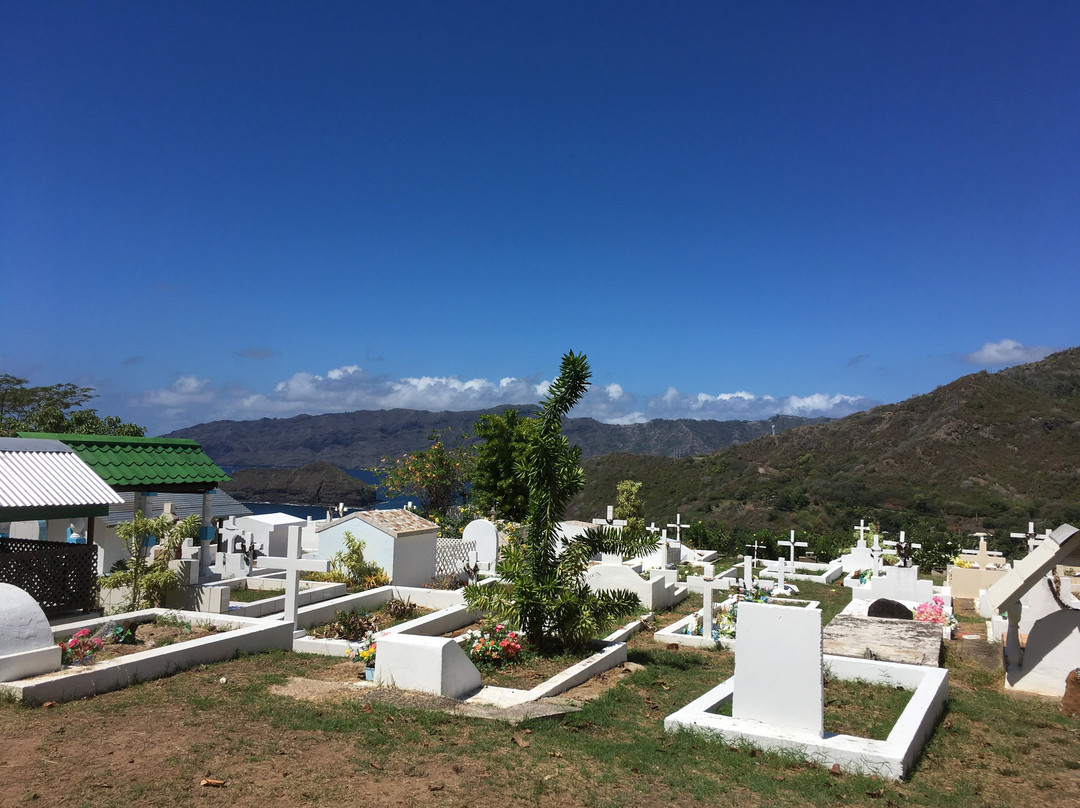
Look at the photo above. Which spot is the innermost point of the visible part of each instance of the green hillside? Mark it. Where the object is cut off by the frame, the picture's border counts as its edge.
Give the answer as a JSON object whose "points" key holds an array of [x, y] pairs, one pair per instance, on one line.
{"points": [[988, 451]]}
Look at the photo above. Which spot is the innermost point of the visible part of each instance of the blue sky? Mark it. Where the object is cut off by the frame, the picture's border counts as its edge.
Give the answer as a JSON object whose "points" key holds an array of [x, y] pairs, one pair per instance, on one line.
{"points": [[238, 210]]}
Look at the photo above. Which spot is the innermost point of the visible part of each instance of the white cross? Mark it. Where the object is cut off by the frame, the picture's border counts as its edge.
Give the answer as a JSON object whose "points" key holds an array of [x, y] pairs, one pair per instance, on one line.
{"points": [[653, 529], [903, 549], [862, 529], [755, 547], [293, 564], [780, 588], [611, 521], [793, 544], [1033, 539], [678, 525]]}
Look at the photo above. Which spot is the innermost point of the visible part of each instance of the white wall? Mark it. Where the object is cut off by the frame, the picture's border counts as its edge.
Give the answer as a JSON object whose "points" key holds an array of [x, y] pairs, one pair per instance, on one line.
{"points": [[409, 561]]}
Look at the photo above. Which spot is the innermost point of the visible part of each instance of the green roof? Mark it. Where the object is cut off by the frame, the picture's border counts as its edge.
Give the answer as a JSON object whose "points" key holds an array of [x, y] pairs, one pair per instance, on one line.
{"points": [[144, 464]]}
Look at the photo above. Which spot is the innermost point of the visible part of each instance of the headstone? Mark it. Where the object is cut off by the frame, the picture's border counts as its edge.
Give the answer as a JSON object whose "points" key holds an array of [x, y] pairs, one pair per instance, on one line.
{"points": [[485, 536], [898, 583], [27, 647], [884, 607], [748, 573], [790, 694]]}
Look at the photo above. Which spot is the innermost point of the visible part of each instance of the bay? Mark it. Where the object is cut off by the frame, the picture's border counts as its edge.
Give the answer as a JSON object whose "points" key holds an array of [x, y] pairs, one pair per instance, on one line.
{"points": [[319, 511]]}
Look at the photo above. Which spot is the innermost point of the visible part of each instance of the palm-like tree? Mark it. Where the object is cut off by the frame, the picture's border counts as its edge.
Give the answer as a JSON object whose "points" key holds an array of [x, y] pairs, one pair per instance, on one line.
{"points": [[543, 591]]}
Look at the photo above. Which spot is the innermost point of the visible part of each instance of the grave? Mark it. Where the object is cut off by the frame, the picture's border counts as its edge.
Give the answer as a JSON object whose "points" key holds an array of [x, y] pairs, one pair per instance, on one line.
{"points": [[245, 635], [483, 536], [1053, 641], [27, 647], [986, 569], [711, 625], [777, 702], [293, 563], [887, 639], [897, 583], [657, 593]]}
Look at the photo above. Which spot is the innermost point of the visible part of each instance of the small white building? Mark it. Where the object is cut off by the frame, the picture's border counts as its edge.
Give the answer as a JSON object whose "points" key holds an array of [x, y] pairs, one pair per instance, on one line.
{"points": [[398, 540], [269, 530]]}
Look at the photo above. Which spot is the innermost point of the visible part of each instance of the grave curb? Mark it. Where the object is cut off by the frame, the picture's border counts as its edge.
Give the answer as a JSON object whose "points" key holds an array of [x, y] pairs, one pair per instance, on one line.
{"points": [[892, 758], [248, 635]]}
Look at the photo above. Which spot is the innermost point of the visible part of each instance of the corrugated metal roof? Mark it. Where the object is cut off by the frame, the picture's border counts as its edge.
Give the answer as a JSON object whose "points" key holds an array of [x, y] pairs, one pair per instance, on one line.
{"points": [[397, 522], [48, 474], [127, 463], [221, 506]]}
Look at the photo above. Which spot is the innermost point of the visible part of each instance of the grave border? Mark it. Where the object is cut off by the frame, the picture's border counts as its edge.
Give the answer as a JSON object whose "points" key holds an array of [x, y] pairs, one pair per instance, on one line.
{"points": [[892, 758], [246, 634]]}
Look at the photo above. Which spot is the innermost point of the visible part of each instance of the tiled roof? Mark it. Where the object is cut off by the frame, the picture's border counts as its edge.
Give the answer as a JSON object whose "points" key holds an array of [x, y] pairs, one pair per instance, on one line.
{"points": [[397, 522], [143, 463], [47, 474]]}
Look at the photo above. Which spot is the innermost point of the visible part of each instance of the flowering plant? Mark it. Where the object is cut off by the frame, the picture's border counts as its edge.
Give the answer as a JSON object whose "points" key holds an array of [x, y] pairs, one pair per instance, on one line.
{"points": [[80, 649], [962, 562], [933, 611], [492, 646], [363, 652]]}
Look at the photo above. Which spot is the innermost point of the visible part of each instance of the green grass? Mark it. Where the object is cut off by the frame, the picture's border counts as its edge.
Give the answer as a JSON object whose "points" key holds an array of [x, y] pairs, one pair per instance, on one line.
{"points": [[245, 595]]}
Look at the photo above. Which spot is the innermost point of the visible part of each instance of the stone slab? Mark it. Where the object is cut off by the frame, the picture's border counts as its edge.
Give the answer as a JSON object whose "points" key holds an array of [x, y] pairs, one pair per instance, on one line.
{"points": [[778, 667], [905, 641]]}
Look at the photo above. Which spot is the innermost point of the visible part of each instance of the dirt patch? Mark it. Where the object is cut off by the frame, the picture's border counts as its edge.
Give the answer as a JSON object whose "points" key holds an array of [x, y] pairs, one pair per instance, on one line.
{"points": [[152, 635]]}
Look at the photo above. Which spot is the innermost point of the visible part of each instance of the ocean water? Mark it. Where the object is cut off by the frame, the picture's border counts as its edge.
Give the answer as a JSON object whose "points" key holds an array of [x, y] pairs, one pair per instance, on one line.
{"points": [[319, 512]]}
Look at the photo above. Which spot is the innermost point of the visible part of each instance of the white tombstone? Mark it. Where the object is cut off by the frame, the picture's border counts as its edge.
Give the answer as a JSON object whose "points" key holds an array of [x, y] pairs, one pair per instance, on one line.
{"points": [[786, 692], [861, 557], [898, 583], [484, 535], [27, 647], [293, 564], [792, 544], [780, 588], [748, 573]]}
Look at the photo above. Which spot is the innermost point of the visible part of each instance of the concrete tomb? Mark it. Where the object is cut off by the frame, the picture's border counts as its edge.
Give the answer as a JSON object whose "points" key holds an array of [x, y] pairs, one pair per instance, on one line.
{"points": [[27, 647], [777, 696]]}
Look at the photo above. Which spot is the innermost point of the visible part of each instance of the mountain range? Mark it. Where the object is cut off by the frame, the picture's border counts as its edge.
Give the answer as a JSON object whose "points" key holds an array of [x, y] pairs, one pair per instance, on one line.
{"points": [[362, 438], [987, 451]]}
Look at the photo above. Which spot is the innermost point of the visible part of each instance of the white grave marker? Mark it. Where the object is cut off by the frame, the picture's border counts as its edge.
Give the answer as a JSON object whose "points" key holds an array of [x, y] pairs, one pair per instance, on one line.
{"points": [[792, 544], [787, 692], [485, 536], [293, 564]]}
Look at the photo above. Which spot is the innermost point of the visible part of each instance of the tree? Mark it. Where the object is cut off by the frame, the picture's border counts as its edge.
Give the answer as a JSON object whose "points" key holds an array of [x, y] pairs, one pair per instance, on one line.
{"points": [[628, 505], [495, 481], [543, 591], [46, 409], [437, 476], [150, 583]]}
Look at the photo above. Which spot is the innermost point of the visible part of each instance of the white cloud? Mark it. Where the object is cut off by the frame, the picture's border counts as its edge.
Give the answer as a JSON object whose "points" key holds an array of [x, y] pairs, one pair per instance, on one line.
{"points": [[189, 399], [1007, 352], [747, 406]]}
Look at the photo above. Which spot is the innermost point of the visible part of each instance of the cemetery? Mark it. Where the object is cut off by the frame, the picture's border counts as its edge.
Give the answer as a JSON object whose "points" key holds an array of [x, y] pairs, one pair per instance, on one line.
{"points": [[753, 657]]}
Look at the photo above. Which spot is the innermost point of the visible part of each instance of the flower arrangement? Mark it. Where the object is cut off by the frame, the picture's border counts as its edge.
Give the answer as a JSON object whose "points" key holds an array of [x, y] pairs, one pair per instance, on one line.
{"points": [[962, 562], [363, 652], [493, 646], [864, 576], [80, 649], [933, 611]]}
